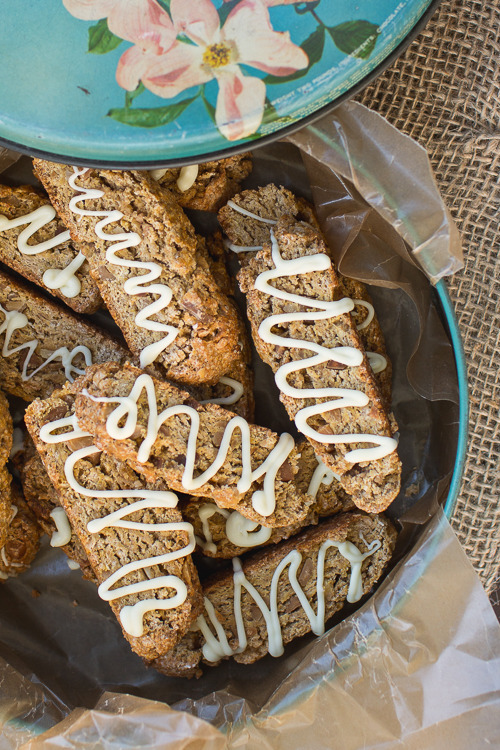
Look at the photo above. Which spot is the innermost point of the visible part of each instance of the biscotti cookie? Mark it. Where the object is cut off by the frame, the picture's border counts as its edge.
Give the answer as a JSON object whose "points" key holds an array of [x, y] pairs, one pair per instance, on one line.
{"points": [[154, 281], [35, 243], [223, 533], [248, 219], [288, 590], [43, 344], [43, 501], [235, 389], [134, 537], [23, 538], [169, 436], [206, 187], [332, 395]]}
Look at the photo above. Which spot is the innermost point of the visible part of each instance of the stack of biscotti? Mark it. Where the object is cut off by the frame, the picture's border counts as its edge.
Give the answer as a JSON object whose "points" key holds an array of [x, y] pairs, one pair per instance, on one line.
{"points": [[174, 414], [333, 396], [19, 532]]}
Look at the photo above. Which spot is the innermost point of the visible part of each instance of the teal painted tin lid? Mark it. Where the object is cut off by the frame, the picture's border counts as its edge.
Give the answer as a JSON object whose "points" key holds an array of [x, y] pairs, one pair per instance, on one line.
{"points": [[157, 82]]}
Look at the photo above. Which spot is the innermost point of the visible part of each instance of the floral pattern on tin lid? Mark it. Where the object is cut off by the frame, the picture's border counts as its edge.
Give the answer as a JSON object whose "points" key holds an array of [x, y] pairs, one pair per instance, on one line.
{"points": [[184, 45]]}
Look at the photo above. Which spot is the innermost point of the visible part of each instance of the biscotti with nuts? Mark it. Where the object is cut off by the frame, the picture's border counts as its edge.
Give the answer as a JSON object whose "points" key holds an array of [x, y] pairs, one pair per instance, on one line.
{"points": [[272, 596], [247, 221], [194, 448], [143, 254], [134, 537], [44, 344], [341, 397], [223, 533], [207, 186], [35, 243]]}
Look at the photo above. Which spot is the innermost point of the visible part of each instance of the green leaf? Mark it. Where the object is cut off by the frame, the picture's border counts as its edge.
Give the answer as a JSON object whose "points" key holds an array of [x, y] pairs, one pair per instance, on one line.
{"points": [[165, 4], [131, 95], [313, 47], [225, 10], [209, 107], [153, 117], [101, 40], [356, 38]]}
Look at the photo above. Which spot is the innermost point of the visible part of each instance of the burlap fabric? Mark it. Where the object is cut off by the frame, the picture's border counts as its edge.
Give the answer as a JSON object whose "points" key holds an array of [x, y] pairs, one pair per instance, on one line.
{"points": [[444, 92]]}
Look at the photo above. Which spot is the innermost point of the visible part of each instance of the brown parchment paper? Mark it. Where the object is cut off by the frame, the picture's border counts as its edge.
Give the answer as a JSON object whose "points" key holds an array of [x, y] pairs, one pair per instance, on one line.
{"points": [[391, 661]]}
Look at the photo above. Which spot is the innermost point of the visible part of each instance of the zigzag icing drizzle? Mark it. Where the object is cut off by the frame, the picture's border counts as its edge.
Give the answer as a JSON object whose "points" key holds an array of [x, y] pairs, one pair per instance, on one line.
{"points": [[346, 355], [217, 646], [263, 500], [241, 531], [137, 284], [377, 361], [15, 321], [53, 278], [131, 616]]}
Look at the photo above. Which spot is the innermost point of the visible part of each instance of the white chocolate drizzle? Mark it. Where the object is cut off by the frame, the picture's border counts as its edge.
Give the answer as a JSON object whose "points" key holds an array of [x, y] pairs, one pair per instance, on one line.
{"points": [[122, 422], [242, 248], [15, 321], [53, 278], [245, 212], [241, 531], [205, 512], [131, 616], [378, 362], [62, 534], [232, 398], [322, 475], [217, 646], [187, 177], [346, 355], [157, 174], [136, 284]]}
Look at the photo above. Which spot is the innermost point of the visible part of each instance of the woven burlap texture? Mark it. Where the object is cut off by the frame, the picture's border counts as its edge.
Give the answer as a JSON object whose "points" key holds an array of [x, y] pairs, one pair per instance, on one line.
{"points": [[444, 92]]}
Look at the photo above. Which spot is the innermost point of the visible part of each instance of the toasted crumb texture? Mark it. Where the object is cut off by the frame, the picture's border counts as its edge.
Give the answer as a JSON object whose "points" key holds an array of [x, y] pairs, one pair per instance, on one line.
{"points": [[374, 484], [371, 336], [6, 430], [269, 202], [272, 202], [42, 499], [206, 340], [259, 568], [16, 202], [113, 547], [52, 327], [215, 183], [330, 498], [23, 538], [183, 660], [241, 371], [167, 457]]}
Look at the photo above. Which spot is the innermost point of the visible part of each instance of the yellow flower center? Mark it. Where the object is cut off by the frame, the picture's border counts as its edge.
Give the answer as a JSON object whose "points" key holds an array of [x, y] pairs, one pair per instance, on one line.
{"points": [[217, 55]]}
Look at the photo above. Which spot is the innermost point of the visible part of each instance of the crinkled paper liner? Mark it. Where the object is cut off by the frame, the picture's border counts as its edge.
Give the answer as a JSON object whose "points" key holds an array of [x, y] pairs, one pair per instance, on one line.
{"points": [[416, 663]]}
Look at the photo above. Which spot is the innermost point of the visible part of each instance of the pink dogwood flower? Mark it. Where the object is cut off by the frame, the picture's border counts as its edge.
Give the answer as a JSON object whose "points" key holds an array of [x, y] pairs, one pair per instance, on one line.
{"points": [[142, 22], [216, 53]]}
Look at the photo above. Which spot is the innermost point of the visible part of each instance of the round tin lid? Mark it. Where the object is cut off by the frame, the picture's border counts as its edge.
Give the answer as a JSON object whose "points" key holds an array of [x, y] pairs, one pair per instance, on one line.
{"points": [[157, 82]]}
